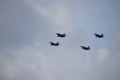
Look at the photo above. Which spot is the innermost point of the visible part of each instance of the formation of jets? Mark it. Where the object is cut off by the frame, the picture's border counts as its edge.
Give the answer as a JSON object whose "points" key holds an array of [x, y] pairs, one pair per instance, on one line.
{"points": [[83, 47]]}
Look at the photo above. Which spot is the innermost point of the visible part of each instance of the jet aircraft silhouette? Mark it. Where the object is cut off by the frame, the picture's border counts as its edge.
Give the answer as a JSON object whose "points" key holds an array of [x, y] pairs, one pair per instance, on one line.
{"points": [[61, 35], [54, 44], [99, 35], [85, 48]]}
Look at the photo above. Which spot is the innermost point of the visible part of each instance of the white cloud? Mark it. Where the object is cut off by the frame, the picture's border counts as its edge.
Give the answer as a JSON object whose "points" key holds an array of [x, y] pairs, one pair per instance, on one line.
{"points": [[62, 18], [25, 60], [59, 15], [31, 61], [102, 54], [7, 67], [39, 9]]}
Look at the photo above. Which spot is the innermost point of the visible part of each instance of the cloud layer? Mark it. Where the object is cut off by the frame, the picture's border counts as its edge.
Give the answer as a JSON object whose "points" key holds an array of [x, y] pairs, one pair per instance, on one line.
{"points": [[27, 26]]}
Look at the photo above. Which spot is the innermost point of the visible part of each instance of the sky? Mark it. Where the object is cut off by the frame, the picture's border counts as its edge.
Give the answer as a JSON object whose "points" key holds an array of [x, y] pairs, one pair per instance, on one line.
{"points": [[27, 27]]}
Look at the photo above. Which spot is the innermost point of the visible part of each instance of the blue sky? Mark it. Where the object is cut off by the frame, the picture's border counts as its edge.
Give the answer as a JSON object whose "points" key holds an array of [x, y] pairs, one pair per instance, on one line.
{"points": [[27, 27]]}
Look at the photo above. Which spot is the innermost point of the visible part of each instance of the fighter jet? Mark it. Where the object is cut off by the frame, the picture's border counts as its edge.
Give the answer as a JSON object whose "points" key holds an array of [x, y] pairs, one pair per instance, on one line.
{"points": [[85, 48], [57, 44], [54, 44], [61, 35], [99, 35]]}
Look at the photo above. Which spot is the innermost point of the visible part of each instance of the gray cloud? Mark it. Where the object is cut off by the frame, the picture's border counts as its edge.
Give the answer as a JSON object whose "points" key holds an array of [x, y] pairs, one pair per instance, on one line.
{"points": [[27, 26], [20, 25]]}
